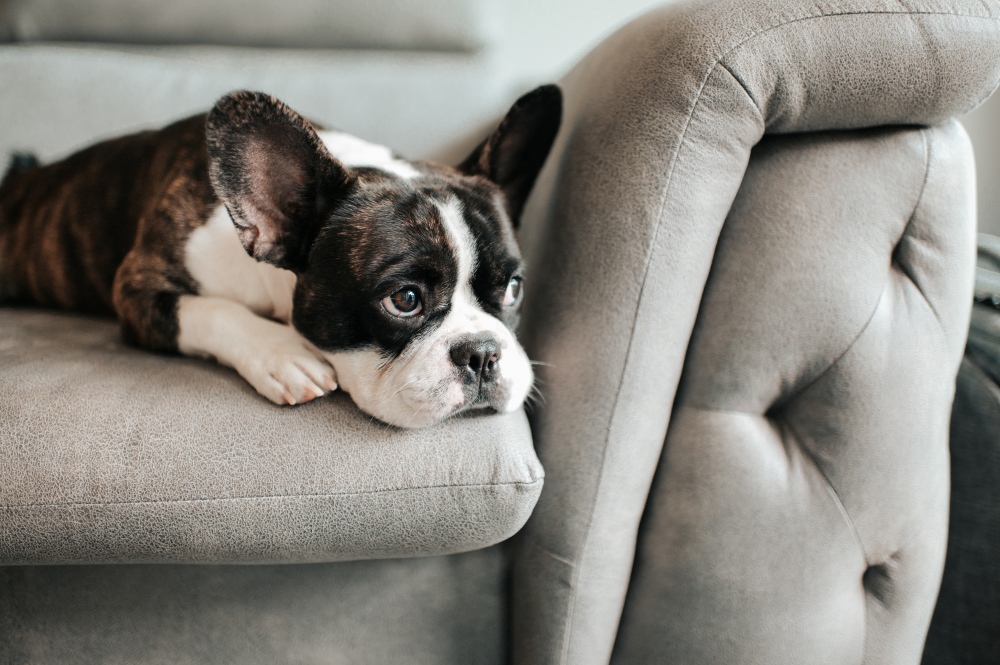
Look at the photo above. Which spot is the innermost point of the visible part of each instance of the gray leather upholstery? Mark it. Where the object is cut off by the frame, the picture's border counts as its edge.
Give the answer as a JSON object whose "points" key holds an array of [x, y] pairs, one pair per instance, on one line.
{"points": [[660, 121], [427, 611], [802, 496], [461, 25], [113, 454], [744, 532]]}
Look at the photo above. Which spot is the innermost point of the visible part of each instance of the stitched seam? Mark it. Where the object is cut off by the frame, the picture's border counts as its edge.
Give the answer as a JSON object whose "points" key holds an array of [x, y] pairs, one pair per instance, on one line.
{"points": [[820, 15], [324, 495], [786, 424], [807, 454], [829, 485], [909, 223], [806, 386], [552, 555], [659, 225], [746, 91]]}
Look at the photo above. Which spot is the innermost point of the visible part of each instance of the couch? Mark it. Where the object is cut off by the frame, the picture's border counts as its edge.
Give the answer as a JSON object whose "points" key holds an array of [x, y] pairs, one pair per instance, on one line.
{"points": [[751, 257]]}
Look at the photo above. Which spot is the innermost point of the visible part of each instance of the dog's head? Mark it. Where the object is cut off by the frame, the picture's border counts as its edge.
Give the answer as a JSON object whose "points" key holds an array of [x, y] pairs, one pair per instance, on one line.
{"points": [[409, 278]]}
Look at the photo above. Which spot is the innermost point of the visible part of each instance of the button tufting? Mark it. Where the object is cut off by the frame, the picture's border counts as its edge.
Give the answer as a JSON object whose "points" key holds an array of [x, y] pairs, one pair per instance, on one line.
{"points": [[878, 580]]}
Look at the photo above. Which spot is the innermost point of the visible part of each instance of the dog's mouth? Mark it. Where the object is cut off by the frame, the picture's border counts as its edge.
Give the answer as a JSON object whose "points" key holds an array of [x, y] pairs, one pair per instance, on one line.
{"points": [[453, 398], [436, 380], [480, 403]]}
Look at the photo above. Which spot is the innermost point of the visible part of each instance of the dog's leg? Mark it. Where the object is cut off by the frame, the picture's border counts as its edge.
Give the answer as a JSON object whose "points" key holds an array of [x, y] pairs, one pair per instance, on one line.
{"points": [[275, 359], [156, 304]]}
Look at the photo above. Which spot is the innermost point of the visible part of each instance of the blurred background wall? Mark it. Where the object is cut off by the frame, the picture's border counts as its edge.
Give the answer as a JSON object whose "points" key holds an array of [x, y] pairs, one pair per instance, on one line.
{"points": [[983, 126], [548, 36]]}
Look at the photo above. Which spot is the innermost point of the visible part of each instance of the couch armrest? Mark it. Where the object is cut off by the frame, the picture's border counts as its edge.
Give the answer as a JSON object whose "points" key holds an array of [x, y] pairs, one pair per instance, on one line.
{"points": [[621, 232], [800, 507], [115, 455]]}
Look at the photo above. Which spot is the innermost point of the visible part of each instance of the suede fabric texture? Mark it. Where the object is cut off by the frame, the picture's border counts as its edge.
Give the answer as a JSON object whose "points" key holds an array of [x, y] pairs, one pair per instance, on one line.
{"points": [[659, 125], [802, 496], [449, 25], [401, 612], [966, 625], [620, 236], [418, 103], [114, 454]]}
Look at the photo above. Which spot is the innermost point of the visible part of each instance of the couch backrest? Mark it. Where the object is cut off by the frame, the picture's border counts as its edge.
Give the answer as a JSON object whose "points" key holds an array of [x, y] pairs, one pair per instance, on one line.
{"points": [[442, 25]]}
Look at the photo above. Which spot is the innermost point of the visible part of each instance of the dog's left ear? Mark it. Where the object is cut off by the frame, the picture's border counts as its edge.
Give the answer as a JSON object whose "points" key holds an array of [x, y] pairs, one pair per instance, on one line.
{"points": [[514, 154], [273, 174]]}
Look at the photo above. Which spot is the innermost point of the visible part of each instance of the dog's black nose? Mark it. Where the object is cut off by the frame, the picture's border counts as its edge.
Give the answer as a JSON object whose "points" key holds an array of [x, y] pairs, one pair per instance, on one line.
{"points": [[477, 356]]}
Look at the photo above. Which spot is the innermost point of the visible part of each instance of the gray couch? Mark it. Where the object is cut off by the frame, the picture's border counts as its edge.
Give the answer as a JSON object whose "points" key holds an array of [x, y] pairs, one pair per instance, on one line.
{"points": [[750, 326]]}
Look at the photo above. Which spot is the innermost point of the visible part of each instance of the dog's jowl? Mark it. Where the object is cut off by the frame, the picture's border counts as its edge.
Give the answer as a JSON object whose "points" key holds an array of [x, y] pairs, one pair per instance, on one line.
{"points": [[303, 258]]}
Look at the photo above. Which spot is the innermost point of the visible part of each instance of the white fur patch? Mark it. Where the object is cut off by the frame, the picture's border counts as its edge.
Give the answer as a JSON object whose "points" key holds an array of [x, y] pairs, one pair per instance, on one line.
{"points": [[467, 317], [464, 247], [215, 257], [275, 359], [352, 151]]}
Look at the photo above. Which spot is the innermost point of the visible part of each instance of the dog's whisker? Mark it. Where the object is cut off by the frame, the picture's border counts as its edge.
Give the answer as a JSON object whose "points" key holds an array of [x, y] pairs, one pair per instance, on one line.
{"points": [[400, 389]]}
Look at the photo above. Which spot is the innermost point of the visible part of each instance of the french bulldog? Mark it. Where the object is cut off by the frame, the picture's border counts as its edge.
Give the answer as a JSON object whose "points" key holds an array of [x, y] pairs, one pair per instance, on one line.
{"points": [[305, 259]]}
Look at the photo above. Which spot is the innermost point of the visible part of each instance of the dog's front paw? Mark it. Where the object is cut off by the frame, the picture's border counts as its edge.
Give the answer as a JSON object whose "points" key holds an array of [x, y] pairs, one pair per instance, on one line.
{"points": [[273, 357], [289, 373]]}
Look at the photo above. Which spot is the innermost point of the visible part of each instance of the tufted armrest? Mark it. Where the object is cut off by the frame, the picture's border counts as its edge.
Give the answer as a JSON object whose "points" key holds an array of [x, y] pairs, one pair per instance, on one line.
{"points": [[660, 122], [801, 504]]}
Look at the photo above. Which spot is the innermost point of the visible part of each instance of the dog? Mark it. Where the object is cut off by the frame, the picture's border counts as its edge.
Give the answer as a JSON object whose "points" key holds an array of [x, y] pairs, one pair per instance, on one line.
{"points": [[303, 258]]}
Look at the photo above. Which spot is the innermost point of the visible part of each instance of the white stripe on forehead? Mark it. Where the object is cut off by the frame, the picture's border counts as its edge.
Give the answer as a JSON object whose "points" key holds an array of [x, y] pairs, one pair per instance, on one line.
{"points": [[352, 151], [463, 243]]}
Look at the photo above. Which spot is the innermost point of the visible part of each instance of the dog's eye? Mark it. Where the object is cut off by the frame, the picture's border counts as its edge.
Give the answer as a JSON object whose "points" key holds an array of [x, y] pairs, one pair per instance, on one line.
{"points": [[403, 303], [513, 294]]}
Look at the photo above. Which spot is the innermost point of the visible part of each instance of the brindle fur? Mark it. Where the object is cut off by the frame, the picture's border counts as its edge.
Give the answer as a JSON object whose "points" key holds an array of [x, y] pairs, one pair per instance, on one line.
{"points": [[103, 230], [106, 229]]}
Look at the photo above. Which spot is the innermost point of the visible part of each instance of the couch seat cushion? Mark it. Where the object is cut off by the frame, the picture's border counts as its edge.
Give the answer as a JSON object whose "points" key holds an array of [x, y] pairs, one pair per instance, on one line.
{"points": [[114, 454]]}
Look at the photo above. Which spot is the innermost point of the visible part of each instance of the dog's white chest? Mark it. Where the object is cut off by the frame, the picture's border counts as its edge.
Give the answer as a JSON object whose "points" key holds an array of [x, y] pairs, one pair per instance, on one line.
{"points": [[215, 257]]}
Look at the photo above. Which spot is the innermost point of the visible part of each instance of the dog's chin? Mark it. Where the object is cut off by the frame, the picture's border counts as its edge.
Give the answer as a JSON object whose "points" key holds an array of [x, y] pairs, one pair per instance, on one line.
{"points": [[421, 401]]}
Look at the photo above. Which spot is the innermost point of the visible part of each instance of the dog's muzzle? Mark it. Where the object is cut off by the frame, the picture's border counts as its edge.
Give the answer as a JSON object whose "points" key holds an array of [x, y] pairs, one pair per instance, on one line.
{"points": [[477, 361]]}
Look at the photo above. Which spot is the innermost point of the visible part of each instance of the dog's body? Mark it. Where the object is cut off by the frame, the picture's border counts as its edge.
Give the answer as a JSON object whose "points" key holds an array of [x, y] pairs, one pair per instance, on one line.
{"points": [[398, 280]]}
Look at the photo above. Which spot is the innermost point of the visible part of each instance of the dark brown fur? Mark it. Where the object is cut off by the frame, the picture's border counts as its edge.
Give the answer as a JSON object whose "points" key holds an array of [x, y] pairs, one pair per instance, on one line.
{"points": [[103, 230]]}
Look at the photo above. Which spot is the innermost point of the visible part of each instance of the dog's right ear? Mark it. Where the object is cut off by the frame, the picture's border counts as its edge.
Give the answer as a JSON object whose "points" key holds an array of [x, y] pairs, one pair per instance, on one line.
{"points": [[273, 174]]}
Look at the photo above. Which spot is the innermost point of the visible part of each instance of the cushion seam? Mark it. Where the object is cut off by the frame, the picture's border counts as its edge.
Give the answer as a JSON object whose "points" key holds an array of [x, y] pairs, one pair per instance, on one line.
{"points": [[322, 495], [808, 454], [928, 156]]}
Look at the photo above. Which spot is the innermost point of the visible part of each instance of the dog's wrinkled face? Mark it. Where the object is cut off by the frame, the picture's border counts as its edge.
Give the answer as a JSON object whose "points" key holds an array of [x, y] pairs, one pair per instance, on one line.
{"points": [[409, 278], [415, 287]]}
